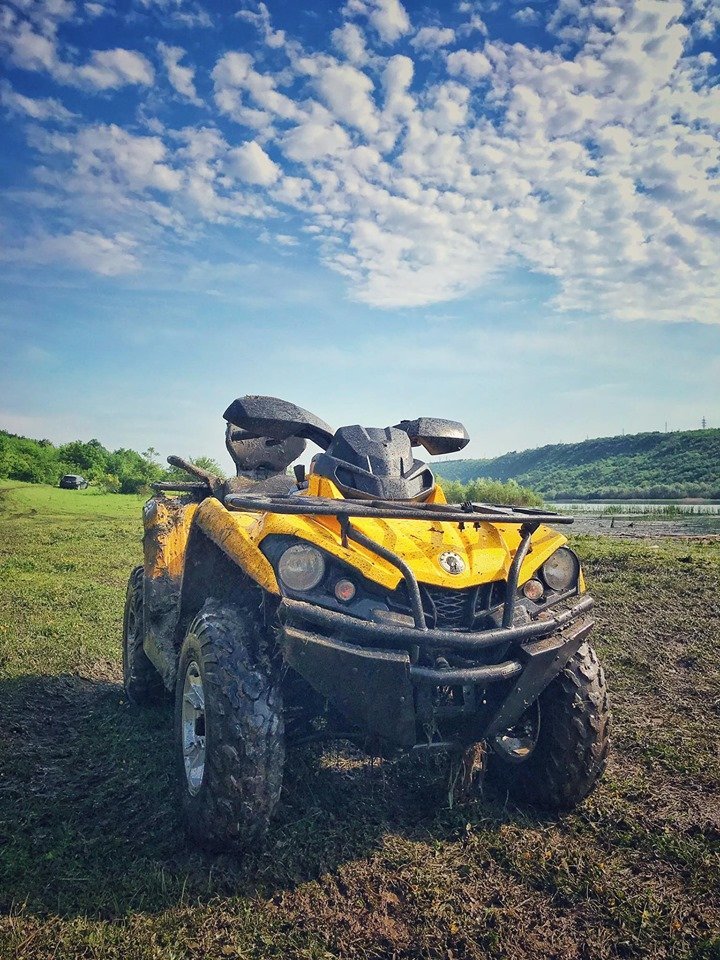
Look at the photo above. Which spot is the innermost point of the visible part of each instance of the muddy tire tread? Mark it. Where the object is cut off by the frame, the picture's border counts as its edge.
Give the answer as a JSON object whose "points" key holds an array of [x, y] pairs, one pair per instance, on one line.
{"points": [[245, 737], [572, 753]]}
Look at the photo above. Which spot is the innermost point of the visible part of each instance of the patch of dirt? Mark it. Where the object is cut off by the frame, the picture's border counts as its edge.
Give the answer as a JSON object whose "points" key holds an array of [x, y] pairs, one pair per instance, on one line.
{"points": [[641, 528]]}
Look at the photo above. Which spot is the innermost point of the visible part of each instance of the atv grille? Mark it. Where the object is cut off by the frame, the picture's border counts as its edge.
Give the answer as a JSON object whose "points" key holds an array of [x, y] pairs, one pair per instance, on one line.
{"points": [[451, 609], [448, 608]]}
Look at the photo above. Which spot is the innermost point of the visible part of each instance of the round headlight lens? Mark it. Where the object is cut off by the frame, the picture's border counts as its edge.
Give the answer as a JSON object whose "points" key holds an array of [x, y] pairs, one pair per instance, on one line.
{"points": [[561, 571], [301, 567]]}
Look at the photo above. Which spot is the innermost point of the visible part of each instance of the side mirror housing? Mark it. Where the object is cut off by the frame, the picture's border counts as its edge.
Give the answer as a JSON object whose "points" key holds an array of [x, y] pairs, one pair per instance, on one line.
{"points": [[437, 436]]}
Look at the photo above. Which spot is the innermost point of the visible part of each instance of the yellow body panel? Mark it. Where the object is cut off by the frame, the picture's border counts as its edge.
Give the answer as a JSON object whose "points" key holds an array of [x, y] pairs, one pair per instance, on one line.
{"points": [[167, 526], [487, 550]]}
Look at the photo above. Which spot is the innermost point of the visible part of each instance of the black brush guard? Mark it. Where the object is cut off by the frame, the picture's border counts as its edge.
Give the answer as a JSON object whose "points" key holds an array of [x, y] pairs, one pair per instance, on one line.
{"points": [[371, 672]]}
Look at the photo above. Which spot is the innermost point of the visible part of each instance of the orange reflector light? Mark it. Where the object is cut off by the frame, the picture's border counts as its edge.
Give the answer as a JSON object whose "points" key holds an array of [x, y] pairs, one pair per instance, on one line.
{"points": [[533, 590], [344, 590]]}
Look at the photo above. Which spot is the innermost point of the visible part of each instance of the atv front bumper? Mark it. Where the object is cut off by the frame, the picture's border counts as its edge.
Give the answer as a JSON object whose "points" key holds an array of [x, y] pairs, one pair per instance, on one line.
{"points": [[371, 672]]}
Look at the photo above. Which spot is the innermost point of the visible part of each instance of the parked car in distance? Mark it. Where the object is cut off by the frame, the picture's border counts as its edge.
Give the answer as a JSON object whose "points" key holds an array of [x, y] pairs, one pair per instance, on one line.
{"points": [[71, 481]]}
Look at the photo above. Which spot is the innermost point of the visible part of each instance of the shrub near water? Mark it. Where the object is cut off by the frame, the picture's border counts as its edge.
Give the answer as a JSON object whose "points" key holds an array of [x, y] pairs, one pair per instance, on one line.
{"points": [[484, 490]]}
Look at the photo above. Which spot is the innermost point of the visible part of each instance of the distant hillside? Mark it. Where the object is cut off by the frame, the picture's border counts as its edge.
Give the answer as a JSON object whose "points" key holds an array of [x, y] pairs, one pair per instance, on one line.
{"points": [[652, 465]]}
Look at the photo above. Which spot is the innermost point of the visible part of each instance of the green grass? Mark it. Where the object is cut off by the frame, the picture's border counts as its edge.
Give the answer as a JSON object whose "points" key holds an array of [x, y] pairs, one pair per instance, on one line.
{"points": [[365, 859], [88, 503]]}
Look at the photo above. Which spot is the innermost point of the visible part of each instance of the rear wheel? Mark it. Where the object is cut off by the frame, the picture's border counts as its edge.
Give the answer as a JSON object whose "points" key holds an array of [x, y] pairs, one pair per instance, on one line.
{"points": [[557, 752], [228, 729], [141, 680]]}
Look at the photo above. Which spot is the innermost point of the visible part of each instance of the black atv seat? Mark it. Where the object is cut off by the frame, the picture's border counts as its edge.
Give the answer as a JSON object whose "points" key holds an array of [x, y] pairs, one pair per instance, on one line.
{"points": [[275, 485], [279, 485]]}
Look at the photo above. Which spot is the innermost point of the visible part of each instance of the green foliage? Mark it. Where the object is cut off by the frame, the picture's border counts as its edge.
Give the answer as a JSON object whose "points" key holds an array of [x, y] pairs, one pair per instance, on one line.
{"points": [[117, 471], [641, 466], [484, 490]]}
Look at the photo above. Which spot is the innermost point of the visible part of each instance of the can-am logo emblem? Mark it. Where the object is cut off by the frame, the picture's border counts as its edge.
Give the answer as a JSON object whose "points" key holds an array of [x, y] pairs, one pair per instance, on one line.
{"points": [[452, 562]]}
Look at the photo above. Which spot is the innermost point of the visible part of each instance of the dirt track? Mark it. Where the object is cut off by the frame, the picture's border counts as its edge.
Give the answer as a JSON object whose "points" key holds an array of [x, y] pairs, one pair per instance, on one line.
{"points": [[645, 529]]}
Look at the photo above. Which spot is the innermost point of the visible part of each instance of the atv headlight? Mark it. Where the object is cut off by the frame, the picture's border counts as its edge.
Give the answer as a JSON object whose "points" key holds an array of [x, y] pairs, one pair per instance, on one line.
{"points": [[301, 567], [562, 569]]}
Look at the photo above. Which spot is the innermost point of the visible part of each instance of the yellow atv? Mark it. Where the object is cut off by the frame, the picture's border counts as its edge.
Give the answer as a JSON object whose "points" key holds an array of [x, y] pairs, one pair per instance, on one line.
{"points": [[354, 601]]}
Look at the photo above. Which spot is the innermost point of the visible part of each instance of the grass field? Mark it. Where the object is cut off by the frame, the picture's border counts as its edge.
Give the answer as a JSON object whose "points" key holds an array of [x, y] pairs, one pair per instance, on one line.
{"points": [[366, 860]]}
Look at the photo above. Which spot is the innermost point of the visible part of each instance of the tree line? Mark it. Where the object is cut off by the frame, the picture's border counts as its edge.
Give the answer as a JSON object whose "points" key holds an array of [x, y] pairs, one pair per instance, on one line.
{"points": [[127, 471], [113, 471], [639, 466]]}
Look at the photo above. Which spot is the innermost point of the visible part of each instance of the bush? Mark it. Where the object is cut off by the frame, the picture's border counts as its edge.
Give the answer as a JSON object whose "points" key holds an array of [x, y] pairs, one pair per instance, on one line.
{"points": [[484, 490]]}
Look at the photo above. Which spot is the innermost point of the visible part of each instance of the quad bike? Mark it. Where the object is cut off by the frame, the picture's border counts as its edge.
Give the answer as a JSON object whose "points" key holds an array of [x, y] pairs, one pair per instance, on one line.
{"points": [[354, 601]]}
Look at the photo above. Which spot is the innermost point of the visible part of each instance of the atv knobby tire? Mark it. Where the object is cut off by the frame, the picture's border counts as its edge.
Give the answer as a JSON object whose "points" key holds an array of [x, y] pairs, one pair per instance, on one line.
{"points": [[573, 740], [143, 684], [242, 727]]}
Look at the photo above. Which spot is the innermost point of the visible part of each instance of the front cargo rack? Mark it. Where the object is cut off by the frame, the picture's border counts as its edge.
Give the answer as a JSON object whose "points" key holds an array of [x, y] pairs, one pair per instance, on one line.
{"points": [[392, 510]]}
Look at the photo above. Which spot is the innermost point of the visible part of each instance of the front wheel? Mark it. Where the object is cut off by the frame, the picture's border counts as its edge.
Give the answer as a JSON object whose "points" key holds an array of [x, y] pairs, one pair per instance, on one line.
{"points": [[557, 752], [228, 729]]}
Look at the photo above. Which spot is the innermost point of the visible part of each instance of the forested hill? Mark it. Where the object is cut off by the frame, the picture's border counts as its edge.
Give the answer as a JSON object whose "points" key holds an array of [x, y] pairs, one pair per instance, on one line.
{"points": [[681, 464]]}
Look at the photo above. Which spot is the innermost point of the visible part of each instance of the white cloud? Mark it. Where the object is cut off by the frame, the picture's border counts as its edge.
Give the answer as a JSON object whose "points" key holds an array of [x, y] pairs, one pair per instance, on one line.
{"points": [[526, 15], [108, 256], [388, 17], [107, 153], [261, 19], [31, 50], [350, 41], [348, 93], [432, 38], [181, 78], [110, 69], [94, 10], [180, 13], [236, 80], [39, 108], [253, 165], [593, 162], [37, 50], [473, 65], [312, 140]]}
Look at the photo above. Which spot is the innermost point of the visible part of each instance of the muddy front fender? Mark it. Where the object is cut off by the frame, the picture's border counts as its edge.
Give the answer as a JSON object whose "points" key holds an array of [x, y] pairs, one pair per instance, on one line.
{"points": [[235, 534]]}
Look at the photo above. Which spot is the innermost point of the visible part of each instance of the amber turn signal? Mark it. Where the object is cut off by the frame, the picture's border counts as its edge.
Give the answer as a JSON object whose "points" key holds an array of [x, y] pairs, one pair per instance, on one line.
{"points": [[344, 590], [533, 589]]}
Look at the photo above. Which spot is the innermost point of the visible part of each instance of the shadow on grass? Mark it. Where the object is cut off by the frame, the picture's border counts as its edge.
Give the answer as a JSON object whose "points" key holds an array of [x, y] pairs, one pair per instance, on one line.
{"points": [[89, 822]]}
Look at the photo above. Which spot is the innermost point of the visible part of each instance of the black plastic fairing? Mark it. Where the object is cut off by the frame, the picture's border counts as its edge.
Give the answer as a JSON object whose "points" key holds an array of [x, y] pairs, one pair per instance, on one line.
{"points": [[374, 462]]}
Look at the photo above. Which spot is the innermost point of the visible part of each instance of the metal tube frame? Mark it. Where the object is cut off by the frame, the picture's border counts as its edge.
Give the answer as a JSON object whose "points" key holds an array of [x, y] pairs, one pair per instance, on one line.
{"points": [[470, 642], [475, 513]]}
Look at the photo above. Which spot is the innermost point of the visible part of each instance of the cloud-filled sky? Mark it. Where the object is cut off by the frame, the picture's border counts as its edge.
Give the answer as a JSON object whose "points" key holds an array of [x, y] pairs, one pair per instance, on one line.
{"points": [[506, 213]]}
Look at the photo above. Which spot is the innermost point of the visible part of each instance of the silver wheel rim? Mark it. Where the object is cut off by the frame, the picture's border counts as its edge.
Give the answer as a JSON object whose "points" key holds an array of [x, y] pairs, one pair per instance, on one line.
{"points": [[517, 743], [193, 728]]}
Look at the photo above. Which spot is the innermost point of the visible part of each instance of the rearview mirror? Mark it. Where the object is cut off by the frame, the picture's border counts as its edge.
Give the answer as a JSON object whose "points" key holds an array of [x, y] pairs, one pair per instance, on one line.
{"points": [[437, 436]]}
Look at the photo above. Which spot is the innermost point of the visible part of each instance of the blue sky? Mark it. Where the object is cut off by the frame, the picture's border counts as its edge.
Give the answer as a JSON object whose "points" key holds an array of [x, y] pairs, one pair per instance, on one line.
{"points": [[504, 213]]}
